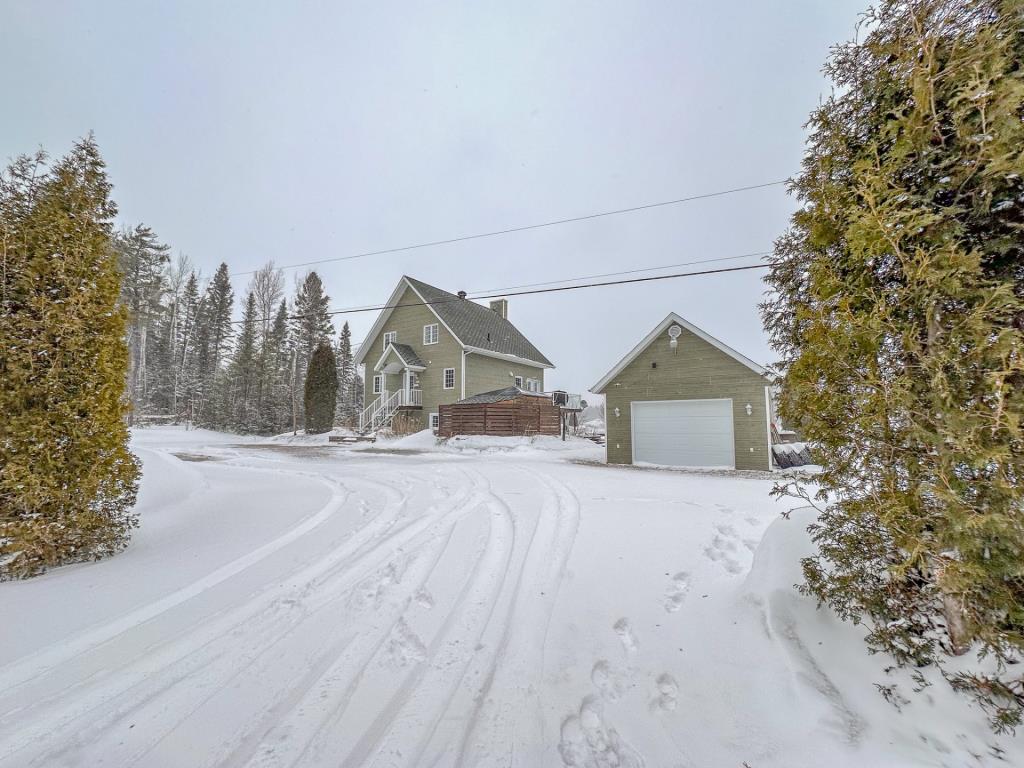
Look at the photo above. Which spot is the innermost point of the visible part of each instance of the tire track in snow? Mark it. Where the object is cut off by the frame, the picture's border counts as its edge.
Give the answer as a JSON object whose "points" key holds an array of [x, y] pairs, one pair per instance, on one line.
{"points": [[308, 648], [412, 714], [485, 696], [274, 740], [185, 657], [508, 706], [258, 652], [311, 729], [18, 672]]}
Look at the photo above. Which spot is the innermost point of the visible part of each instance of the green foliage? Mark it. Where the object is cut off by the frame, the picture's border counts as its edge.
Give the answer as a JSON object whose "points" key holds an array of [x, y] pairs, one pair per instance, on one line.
{"points": [[142, 259], [348, 389], [67, 479], [213, 342], [897, 310], [311, 323], [240, 386], [321, 390]]}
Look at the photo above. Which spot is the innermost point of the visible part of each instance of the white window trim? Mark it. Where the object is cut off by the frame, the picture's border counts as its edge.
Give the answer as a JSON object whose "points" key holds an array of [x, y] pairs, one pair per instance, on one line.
{"points": [[390, 337], [434, 333], [378, 384], [519, 381], [444, 378], [435, 421]]}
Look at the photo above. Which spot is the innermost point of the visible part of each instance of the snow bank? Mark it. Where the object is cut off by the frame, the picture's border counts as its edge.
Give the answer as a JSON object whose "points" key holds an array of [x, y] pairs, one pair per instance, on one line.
{"points": [[829, 658], [287, 438], [539, 446], [418, 441]]}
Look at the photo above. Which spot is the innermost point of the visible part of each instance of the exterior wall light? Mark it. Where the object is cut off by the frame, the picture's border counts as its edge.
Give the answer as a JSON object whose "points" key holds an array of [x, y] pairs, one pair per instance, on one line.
{"points": [[750, 409], [616, 413], [673, 337]]}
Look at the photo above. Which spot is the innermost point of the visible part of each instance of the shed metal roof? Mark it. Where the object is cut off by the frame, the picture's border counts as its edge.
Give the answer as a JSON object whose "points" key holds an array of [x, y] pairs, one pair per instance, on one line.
{"points": [[499, 395]]}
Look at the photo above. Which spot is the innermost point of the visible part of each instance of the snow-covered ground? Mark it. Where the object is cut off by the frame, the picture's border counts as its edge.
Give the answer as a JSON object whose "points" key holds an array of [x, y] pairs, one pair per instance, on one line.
{"points": [[290, 603]]}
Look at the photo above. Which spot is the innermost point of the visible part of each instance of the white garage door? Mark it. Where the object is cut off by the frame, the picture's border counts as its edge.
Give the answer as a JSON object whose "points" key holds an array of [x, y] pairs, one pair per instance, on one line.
{"points": [[683, 433]]}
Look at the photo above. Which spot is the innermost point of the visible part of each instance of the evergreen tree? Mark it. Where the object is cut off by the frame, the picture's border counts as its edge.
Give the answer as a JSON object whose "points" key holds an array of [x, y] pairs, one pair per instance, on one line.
{"points": [[213, 342], [311, 321], [185, 348], [68, 481], [276, 415], [243, 373], [161, 359], [321, 390], [142, 258], [898, 313], [268, 288], [347, 412]]}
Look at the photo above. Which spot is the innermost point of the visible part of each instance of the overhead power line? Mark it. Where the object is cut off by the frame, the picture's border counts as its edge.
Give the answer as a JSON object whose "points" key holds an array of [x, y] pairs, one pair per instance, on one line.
{"points": [[505, 293], [623, 272], [550, 290], [356, 345], [524, 228]]}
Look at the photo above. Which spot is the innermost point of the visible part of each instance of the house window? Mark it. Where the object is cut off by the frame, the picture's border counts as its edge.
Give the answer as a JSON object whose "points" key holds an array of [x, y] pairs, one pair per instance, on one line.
{"points": [[449, 378], [390, 337], [519, 381], [430, 334], [378, 384], [532, 385], [435, 421]]}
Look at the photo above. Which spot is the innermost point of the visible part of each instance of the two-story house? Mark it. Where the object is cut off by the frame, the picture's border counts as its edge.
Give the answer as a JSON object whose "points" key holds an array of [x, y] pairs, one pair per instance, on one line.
{"points": [[429, 347]]}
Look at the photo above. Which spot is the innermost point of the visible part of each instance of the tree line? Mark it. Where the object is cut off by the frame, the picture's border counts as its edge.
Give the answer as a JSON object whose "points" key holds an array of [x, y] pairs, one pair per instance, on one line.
{"points": [[190, 360]]}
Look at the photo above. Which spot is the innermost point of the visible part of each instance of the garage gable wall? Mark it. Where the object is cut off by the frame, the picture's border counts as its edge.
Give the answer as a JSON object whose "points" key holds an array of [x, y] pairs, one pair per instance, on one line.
{"points": [[695, 370]]}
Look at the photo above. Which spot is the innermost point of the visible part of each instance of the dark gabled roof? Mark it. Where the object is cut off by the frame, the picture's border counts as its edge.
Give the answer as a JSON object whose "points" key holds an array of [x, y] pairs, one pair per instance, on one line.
{"points": [[478, 326], [498, 395], [408, 355]]}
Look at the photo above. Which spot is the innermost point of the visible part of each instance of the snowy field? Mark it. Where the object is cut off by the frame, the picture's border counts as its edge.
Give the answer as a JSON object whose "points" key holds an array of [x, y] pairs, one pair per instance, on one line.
{"points": [[289, 603]]}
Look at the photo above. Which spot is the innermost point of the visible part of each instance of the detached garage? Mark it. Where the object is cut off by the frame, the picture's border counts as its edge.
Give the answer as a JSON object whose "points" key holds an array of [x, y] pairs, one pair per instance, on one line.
{"points": [[682, 398]]}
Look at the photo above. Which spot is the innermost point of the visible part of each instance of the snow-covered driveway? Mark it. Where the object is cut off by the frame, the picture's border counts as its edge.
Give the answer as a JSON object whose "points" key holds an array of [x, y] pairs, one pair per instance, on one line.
{"points": [[302, 606]]}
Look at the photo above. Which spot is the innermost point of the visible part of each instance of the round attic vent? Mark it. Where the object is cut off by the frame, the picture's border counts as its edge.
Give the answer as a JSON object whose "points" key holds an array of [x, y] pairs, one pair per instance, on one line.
{"points": [[674, 332]]}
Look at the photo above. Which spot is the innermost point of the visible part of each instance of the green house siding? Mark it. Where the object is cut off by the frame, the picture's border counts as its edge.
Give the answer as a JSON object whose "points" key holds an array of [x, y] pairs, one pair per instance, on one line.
{"points": [[696, 370], [408, 323], [486, 374]]}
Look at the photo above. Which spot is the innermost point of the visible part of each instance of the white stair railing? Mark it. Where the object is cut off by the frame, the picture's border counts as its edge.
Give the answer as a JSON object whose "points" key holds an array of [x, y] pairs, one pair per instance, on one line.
{"points": [[367, 415], [379, 413]]}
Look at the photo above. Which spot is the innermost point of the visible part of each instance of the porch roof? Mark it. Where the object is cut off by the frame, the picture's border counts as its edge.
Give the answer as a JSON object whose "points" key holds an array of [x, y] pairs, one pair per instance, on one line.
{"points": [[405, 354]]}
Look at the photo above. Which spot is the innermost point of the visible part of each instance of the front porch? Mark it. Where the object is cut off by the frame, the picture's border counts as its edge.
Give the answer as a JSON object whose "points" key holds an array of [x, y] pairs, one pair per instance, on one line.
{"points": [[396, 387]]}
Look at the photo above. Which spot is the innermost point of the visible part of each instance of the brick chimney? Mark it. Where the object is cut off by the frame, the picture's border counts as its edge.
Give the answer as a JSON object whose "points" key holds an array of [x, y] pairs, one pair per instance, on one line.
{"points": [[501, 307]]}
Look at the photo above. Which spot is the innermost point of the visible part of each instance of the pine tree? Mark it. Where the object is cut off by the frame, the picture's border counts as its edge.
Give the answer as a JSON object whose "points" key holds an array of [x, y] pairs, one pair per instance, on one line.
{"points": [[321, 391], [68, 481], [213, 342], [311, 323], [898, 313], [347, 412], [142, 258], [167, 315], [268, 288], [185, 349], [243, 373], [277, 401]]}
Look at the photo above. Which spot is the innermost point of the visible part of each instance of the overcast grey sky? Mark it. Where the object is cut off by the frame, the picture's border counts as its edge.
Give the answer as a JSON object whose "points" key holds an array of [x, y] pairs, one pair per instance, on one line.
{"points": [[295, 131]]}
